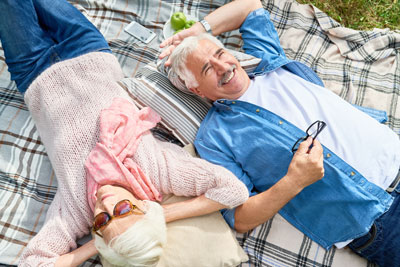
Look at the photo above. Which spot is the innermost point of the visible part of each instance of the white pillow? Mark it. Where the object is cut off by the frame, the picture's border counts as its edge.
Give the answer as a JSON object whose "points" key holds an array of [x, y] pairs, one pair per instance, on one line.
{"points": [[205, 241]]}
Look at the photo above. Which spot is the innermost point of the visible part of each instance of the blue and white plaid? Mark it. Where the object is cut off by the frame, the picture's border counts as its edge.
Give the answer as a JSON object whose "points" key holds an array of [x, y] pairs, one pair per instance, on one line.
{"points": [[361, 67]]}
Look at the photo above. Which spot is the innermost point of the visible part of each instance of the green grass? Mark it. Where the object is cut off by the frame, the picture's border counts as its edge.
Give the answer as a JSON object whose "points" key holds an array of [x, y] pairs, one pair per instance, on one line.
{"points": [[361, 14]]}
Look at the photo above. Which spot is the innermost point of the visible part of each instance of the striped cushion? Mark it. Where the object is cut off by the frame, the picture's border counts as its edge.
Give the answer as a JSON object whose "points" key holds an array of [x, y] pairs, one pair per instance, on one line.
{"points": [[181, 113]]}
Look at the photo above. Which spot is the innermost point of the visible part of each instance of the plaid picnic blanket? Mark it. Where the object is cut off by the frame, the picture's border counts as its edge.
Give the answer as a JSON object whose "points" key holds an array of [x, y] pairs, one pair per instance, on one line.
{"points": [[361, 67]]}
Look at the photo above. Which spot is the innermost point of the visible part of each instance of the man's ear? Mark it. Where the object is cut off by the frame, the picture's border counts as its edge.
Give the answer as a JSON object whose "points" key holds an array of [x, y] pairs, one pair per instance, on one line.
{"points": [[196, 91]]}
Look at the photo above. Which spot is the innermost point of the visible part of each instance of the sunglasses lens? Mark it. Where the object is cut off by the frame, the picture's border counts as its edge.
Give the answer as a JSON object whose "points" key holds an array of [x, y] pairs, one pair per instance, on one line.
{"points": [[315, 129], [123, 207], [100, 220]]}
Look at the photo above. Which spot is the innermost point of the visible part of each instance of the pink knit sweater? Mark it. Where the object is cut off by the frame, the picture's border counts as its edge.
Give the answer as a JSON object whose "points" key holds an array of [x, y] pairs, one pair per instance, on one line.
{"points": [[65, 102]]}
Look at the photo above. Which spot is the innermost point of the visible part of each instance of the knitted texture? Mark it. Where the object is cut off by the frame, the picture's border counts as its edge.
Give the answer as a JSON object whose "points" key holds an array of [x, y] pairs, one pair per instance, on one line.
{"points": [[110, 162], [65, 102]]}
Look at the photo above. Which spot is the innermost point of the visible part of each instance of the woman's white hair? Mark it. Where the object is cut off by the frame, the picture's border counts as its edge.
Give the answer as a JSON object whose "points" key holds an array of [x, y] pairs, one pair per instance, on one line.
{"points": [[179, 75], [140, 245]]}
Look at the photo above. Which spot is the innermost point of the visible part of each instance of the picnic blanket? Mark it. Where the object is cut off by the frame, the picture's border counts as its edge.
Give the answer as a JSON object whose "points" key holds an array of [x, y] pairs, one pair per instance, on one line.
{"points": [[361, 67]]}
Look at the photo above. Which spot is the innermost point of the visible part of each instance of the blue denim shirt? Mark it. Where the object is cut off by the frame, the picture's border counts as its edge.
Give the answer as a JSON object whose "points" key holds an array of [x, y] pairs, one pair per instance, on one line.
{"points": [[255, 144]]}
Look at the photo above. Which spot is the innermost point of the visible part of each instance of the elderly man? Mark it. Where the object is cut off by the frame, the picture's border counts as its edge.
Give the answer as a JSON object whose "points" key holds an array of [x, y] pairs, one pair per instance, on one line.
{"points": [[257, 121]]}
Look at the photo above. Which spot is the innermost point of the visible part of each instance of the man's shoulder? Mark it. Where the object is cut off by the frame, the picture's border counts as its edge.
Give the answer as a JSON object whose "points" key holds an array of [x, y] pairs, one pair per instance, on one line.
{"points": [[213, 124]]}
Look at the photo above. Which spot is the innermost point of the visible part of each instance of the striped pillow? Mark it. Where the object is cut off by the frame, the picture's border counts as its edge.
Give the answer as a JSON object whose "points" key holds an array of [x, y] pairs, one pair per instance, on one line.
{"points": [[181, 113]]}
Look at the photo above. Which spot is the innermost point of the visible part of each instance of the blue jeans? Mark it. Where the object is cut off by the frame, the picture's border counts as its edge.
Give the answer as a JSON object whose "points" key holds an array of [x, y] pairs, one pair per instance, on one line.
{"points": [[38, 33], [382, 244]]}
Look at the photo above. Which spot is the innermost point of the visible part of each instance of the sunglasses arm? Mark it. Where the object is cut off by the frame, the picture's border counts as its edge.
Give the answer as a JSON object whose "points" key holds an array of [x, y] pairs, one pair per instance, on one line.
{"points": [[190, 208], [77, 256]]}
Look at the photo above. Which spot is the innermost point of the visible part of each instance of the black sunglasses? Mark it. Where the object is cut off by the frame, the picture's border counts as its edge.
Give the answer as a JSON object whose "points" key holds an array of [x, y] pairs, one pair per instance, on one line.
{"points": [[313, 130]]}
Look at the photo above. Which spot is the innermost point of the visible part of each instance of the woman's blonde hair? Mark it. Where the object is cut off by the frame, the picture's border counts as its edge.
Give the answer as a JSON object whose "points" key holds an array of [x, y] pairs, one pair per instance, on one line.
{"points": [[140, 245]]}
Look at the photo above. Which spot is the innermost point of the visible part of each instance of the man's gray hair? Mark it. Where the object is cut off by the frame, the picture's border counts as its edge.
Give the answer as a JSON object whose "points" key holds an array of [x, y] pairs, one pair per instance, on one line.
{"points": [[140, 245], [179, 75]]}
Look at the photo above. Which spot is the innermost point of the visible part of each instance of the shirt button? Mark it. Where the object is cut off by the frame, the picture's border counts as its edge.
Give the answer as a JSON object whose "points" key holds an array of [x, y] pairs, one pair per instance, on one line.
{"points": [[328, 155], [352, 173], [280, 122], [233, 102], [258, 110], [221, 101]]}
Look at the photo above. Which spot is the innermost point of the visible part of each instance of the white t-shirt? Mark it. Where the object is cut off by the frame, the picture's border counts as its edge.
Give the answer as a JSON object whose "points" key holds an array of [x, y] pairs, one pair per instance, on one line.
{"points": [[370, 147]]}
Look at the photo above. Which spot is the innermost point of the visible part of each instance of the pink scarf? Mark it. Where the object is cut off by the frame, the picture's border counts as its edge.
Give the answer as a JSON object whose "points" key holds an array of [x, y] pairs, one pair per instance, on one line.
{"points": [[110, 161]]}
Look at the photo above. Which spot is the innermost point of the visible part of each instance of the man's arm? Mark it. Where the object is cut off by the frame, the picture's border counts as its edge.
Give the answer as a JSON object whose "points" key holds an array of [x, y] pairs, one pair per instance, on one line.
{"points": [[305, 168], [231, 16], [226, 18]]}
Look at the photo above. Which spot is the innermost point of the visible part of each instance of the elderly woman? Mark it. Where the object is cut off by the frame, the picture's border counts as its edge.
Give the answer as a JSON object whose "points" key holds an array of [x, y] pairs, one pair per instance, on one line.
{"points": [[69, 78]]}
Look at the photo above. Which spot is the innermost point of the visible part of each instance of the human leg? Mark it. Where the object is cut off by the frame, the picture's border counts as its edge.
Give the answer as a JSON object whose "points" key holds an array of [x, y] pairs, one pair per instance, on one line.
{"points": [[382, 244], [27, 47], [36, 34], [74, 34]]}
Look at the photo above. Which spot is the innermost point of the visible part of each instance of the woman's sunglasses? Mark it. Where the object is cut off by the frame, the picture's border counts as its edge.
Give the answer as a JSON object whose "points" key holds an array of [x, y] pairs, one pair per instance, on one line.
{"points": [[121, 209]]}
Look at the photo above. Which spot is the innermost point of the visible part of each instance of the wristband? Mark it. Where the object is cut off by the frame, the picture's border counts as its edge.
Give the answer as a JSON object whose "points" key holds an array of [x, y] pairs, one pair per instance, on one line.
{"points": [[206, 26]]}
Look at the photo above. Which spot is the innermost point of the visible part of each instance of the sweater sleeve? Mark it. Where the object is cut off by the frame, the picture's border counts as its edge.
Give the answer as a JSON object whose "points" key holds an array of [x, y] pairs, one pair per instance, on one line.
{"points": [[55, 238], [179, 173]]}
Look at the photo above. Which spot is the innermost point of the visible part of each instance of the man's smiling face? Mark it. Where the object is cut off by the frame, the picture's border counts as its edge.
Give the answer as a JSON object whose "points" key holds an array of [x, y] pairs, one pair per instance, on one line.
{"points": [[217, 72]]}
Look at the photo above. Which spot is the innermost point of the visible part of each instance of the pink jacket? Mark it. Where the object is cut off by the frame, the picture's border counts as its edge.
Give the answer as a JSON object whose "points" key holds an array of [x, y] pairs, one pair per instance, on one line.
{"points": [[110, 161]]}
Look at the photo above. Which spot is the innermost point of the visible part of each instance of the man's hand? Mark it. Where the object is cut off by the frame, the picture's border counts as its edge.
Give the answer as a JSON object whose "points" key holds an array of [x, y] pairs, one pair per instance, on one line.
{"points": [[173, 41], [305, 168], [307, 165], [225, 18]]}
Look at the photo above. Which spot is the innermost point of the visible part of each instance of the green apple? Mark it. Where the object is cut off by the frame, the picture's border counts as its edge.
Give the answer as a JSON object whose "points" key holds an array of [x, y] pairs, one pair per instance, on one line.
{"points": [[178, 21], [178, 31], [189, 24]]}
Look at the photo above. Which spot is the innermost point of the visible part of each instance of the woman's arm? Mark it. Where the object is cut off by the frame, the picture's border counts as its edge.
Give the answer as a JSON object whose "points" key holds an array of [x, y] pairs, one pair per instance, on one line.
{"points": [[226, 18], [184, 175], [77, 256], [190, 208], [56, 237]]}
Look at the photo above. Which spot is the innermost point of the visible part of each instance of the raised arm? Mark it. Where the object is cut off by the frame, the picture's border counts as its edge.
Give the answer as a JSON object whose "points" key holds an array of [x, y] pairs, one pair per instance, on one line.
{"points": [[230, 16], [226, 18]]}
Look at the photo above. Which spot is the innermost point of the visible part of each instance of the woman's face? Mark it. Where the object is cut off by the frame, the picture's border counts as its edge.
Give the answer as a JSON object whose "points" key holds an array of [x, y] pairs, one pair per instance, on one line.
{"points": [[107, 197]]}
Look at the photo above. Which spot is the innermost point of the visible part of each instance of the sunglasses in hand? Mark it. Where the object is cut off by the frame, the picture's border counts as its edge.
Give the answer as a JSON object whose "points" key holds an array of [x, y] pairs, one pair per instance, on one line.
{"points": [[313, 130]]}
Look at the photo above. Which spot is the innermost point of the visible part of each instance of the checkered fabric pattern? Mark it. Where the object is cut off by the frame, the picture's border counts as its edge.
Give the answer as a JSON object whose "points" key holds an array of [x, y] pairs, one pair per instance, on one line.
{"points": [[361, 67]]}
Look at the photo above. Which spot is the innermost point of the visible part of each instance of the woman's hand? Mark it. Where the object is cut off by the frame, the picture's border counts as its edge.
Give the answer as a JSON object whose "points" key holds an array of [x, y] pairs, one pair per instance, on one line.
{"points": [[173, 41], [77, 256]]}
